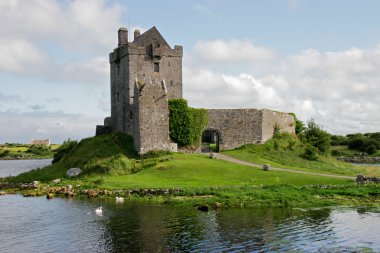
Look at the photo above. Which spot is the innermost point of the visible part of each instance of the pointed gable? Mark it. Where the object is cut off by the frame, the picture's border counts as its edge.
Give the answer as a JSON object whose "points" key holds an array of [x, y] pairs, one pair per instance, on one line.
{"points": [[152, 35]]}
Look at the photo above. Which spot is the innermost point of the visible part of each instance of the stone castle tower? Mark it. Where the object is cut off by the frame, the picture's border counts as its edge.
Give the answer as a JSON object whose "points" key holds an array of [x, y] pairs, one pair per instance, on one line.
{"points": [[145, 73]]}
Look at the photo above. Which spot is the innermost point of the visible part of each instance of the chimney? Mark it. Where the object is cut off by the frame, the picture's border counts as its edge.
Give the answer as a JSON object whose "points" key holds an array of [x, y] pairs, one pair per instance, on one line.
{"points": [[136, 34], [123, 36]]}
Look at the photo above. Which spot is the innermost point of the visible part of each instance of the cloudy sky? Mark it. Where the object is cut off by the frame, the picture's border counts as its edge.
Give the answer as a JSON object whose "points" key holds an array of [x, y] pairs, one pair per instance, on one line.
{"points": [[318, 59]]}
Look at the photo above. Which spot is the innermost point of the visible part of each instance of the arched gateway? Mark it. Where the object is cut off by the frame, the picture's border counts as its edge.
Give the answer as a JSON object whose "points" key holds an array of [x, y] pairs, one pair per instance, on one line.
{"points": [[210, 140]]}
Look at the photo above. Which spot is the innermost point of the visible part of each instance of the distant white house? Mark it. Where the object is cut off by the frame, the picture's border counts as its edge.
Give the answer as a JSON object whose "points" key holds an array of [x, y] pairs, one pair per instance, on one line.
{"points": [[41, 142]]}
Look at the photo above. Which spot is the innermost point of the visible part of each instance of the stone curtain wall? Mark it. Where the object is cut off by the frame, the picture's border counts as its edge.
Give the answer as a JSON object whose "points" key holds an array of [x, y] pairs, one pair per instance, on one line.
{"points": [[236, 127], [152, 124], [270, 119]]}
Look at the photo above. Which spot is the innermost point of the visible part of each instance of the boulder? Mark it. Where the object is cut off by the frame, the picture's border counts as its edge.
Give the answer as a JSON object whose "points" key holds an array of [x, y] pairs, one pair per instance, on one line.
{"points": [[56, 181], [360, 179], [35, 184], [72, 172]]}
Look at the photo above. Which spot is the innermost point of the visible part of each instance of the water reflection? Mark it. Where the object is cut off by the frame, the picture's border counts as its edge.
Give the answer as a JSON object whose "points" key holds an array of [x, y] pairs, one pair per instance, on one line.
{"points": [[39, 225], [15, 167]]}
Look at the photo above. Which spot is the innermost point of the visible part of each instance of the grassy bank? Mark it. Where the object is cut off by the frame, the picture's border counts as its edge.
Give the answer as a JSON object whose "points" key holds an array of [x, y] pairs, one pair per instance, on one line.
{"points": [[11, 151], [285, 152], [110, 162]]}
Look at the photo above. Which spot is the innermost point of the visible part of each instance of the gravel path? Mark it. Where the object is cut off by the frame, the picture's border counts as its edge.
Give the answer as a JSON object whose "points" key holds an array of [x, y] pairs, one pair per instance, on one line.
{"points": [[234, 160]]}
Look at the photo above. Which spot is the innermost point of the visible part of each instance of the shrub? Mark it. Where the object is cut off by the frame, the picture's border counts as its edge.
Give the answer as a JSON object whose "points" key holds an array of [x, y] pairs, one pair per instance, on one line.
{"points": [[317, 137], [39, 150], [356, 143], [291, 144], [371, 149], [4, 153], [299, 125], [66, 148], [310, 153], [276, 131], [186, 124]]}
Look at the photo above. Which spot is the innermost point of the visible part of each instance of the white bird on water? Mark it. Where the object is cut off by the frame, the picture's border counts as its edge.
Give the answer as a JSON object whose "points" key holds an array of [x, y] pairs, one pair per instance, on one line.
{"points": [[99, 210], [119, 199]]}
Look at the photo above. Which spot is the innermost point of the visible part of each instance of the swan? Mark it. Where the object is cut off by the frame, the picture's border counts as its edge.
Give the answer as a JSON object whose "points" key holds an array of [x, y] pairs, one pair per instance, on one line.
{"points": [[99, 210], [119, 199]]}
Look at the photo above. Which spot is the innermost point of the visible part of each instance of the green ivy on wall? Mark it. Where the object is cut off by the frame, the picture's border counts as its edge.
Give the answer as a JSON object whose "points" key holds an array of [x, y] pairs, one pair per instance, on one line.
{"points": [[186, 124]]}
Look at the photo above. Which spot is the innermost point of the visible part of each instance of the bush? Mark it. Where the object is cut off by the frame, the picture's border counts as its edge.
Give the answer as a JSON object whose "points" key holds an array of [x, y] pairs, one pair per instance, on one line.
{"points": [[337, 140], [317, 137], [66, 148], [276, 131], [39, 150], [4, 153], [291, 144], [371, 149], [186, 124], [299, 124], [356, 143], [310, 153]]}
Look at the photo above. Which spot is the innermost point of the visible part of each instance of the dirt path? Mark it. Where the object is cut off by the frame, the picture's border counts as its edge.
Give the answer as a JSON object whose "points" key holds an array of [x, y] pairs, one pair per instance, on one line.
{"points": [[234, 160]]}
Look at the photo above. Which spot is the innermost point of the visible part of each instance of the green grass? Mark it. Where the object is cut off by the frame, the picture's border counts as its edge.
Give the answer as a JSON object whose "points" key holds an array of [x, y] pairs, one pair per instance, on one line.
{"points": [[277, 153], [189, 171], [19, 151], [110, 162]]}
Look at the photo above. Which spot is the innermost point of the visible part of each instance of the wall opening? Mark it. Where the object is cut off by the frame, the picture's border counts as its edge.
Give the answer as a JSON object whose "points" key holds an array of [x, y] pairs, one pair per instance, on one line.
{"points": [[210, 141], [156, 67]]}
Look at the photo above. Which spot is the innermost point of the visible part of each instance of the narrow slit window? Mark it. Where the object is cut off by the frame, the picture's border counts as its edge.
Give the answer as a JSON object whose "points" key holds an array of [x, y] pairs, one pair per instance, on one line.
{"points": [[156, 67]]}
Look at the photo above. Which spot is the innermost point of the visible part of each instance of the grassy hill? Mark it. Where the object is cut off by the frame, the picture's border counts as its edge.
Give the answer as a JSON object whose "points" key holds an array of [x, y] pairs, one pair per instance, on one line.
{"points": [[110, 162], [285, 152]]}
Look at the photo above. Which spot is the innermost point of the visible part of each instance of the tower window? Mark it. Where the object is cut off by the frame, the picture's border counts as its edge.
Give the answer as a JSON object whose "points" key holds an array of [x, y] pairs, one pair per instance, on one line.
{"points": [[156, 67]]}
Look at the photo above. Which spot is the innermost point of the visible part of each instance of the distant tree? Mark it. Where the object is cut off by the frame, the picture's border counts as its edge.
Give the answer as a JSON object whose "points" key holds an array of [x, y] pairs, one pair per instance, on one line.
{"points": [[314, 135], [337, 140], [39, 149]]}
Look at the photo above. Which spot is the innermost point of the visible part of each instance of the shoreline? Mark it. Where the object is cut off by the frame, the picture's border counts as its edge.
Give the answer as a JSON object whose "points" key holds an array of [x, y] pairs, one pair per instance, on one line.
{"points": [[230, 196]]}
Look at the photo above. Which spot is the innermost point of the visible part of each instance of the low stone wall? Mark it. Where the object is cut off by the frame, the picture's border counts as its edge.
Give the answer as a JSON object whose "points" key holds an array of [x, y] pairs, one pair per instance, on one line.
{"points": [[360, 159], [360, 179]]}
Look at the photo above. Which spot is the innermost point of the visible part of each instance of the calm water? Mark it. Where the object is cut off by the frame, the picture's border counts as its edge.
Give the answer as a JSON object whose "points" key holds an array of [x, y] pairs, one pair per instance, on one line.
{"points": [[15, 167], [67, 225]]}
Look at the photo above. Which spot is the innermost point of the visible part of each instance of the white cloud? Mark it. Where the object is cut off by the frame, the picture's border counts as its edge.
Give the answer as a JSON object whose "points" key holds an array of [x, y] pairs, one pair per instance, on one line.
{"points": [[20, 56], [58, 40], [77, 24], [340, 90], [231, 51], [57, 126], [211, 90]]}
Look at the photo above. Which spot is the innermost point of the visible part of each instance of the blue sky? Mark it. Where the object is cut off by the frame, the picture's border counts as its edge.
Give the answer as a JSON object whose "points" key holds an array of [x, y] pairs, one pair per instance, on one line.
{"points": [[319, 59]]}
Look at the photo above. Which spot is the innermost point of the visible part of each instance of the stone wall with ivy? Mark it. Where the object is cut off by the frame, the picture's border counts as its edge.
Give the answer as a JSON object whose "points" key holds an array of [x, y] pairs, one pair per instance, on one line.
{"points": [[186, 124]]}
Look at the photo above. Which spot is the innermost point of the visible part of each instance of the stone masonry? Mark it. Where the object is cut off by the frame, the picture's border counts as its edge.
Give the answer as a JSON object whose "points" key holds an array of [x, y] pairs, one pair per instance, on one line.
{"points": [[145, 73], [237, 127]]}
